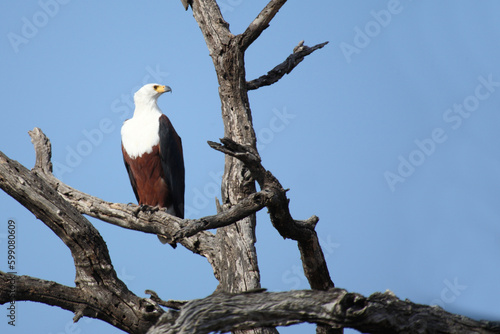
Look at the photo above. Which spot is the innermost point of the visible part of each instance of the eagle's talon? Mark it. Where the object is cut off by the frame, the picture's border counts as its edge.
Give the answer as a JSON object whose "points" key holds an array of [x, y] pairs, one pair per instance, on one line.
{"points": [[148, 208]]}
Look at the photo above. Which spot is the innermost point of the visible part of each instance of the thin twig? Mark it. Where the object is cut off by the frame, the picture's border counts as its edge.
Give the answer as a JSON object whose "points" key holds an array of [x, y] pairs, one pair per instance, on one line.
{"points": [[299, 53]]}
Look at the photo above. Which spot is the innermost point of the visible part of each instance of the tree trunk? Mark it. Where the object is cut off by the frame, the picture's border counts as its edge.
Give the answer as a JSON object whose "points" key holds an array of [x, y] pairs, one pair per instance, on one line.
{"points": [[238, 257], [237, 265], [238, 303]]}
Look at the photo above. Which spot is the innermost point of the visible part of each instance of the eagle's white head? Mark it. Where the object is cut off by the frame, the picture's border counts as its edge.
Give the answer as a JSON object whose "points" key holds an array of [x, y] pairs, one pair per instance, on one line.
{"points": [[147, 96], [140, 133]]}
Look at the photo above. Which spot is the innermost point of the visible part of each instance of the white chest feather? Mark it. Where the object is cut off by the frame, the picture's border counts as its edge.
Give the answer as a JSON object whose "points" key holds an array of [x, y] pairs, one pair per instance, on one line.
{"points": [[140, 133]]}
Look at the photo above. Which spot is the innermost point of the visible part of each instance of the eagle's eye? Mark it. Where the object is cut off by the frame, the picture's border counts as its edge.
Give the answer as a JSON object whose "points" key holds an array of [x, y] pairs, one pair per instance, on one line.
{"points": [[155, 87]]}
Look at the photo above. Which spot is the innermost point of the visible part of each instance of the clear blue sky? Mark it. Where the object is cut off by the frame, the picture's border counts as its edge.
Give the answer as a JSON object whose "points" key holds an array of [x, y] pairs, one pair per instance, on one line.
{"points": [[390, 134]]}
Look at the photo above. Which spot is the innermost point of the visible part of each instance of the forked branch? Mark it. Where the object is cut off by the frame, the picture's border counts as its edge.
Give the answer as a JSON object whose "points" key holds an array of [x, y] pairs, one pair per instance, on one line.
{"points": [[189, 232], [97, 285], [244, 208], [313, 260]]}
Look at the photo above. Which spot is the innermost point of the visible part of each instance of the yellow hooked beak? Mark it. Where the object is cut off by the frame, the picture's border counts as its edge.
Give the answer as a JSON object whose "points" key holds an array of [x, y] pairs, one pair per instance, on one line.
{"points": [[162, 89]]}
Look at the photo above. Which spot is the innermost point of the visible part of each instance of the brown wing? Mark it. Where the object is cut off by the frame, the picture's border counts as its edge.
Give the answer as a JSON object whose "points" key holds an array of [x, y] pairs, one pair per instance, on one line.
{"points": [[172, 162]]}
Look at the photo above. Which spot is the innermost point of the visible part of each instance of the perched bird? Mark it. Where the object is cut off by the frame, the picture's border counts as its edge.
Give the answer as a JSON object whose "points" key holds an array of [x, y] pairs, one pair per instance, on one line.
{"points": [[152, 152]]}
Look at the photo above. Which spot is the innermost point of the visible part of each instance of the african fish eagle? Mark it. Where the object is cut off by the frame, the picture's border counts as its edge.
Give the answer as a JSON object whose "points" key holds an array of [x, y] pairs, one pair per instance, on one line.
{"points": [[152, 152]]}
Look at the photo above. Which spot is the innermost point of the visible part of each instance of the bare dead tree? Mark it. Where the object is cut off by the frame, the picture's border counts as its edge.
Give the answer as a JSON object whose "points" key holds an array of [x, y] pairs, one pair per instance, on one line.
{"points": [[238, 304]]}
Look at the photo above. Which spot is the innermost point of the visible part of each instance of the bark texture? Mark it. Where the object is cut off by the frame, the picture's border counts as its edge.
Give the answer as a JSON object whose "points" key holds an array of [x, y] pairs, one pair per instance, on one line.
{"points": [[237, 262], [98, 292], [380, 313], [238, 304]]}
